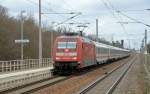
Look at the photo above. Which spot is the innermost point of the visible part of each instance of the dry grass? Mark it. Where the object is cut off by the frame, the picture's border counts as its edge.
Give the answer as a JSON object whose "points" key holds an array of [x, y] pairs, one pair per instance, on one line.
{"points": [[145, 77]]}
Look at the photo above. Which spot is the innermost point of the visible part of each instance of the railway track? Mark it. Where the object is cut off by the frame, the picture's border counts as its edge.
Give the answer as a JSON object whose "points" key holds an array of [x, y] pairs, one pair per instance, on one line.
{"points": [[75, 83], [32, 87], [112, 88], [25, 89], [40, 85], [99, 86]]}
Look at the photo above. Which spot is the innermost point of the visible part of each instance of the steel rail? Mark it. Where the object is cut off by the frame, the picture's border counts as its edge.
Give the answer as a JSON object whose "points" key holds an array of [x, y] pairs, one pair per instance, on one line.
{"points": [[25, 89], [94, 83], [112, 88]]}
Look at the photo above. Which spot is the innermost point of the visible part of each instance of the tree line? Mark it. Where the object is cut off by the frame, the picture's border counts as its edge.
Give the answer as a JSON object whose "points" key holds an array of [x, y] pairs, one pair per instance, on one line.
{"points": [[10, 31]]}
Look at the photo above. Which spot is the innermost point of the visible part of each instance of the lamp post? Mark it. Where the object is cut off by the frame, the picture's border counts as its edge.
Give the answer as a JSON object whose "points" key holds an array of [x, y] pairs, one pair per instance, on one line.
{"points": [[96, 29], [40, 34], [22, 22], [40, 31]]}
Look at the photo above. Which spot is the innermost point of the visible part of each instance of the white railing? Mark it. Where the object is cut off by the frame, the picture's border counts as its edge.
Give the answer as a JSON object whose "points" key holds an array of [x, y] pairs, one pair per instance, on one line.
{"points": [[21, 65]]}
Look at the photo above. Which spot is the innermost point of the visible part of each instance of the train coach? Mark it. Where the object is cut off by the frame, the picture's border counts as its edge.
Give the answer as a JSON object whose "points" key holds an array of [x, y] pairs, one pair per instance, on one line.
{"points": [[76, 52]]}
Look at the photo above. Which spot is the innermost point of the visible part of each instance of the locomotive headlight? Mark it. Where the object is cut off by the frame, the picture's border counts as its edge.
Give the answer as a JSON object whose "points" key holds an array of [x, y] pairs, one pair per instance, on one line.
{"points": [[59, 54], [72, 54], [74, 58], [57, 58]]}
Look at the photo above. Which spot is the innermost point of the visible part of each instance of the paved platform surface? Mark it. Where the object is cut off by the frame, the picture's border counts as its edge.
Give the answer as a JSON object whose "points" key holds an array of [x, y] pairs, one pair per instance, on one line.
{"points": [[14, 74]]}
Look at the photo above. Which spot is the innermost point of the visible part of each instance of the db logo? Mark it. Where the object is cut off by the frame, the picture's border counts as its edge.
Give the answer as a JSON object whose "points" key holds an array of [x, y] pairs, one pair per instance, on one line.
{"points": [[66, 50]]}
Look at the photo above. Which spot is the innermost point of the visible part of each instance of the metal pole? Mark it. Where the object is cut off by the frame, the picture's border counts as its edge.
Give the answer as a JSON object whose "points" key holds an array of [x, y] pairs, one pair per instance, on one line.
{"points": [[145, 41], [51, 44], [129, 44], [97, 29], [134, 44], [145, 47], [22, 21], [40, 34]]}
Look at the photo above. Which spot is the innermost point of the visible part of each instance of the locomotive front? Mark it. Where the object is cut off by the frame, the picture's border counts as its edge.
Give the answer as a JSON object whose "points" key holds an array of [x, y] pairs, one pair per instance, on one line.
{"points": [[65, 54]]}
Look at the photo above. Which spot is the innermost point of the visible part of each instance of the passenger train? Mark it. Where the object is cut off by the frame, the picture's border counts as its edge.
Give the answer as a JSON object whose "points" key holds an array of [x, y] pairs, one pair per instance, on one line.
{"points": [[77, 52]]}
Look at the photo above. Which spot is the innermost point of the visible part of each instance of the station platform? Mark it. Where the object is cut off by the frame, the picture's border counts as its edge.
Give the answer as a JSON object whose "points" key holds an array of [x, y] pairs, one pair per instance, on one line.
{"points": [[2, 76], [20, 78]]}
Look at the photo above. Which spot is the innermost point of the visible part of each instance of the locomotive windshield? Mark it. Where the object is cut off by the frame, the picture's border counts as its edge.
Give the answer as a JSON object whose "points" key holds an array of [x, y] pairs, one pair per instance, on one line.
{"points": [[69, 45], [61, 45]]}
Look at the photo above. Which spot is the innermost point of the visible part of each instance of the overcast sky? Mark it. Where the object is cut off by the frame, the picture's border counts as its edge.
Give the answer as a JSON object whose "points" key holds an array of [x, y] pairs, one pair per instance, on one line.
{"points": [[104, 10]]}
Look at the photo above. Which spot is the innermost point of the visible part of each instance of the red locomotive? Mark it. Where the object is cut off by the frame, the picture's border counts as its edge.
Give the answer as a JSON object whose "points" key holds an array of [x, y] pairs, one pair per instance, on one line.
{"points": [[76, 52]]}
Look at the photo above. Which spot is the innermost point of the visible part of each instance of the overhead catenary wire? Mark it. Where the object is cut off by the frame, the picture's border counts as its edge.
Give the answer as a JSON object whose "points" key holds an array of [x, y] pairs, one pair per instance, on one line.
{"points": [[118, 11], [69, 19], [56, 13], [133, 19], [140, 11], [118, 16], [61, 22], [36, 4], [71, 8], [68, 12], [53, 12], [112, 10], [48, 9]]}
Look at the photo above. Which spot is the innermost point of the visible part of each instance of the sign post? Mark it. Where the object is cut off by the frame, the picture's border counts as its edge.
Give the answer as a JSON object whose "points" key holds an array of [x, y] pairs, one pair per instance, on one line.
{"points": [[22, 42]]}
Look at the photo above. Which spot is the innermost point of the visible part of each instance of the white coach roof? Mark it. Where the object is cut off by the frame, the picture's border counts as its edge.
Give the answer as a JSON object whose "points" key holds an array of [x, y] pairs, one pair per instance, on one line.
{"points": [[97, 44]]}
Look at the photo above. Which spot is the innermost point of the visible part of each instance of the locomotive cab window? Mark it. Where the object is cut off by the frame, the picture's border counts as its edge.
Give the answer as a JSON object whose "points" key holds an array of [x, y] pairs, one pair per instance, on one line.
{"points": [[69, 45], [61, 45]]}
